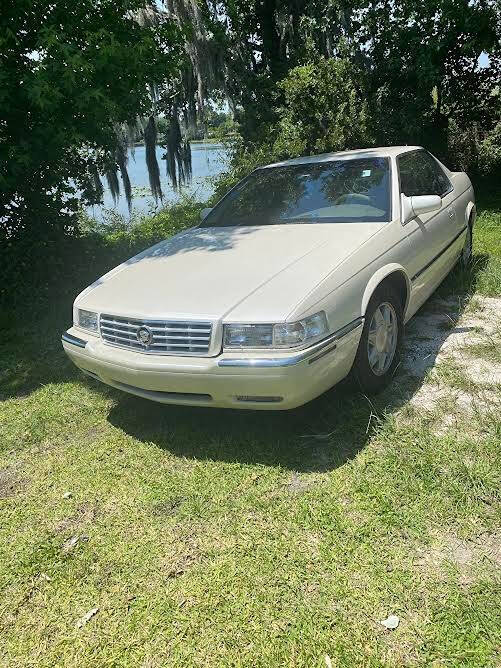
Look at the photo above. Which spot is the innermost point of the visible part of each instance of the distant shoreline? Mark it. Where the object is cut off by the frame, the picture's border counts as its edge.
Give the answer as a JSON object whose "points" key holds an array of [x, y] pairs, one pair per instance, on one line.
{"points": [[212, 140]]}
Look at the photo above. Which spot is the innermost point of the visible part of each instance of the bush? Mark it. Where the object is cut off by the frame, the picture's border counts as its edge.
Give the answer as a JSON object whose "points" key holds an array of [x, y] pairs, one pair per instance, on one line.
{"points": [[471, 152], [242, 163], [33, 273], [489, 155], [324, 110]]}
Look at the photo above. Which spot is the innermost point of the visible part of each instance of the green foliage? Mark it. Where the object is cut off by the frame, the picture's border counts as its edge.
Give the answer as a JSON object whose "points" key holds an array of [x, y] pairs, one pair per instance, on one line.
{"points": [[243, 161], [40, 267], [129, 236], [71, 72], [425, 85], [369, 74], [323, 109], [401, 73], [490, 152], [221, 126]]}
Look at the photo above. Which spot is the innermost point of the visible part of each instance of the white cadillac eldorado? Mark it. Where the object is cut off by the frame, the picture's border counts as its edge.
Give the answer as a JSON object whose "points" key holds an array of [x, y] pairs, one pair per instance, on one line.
{"points": [[304, 272]]}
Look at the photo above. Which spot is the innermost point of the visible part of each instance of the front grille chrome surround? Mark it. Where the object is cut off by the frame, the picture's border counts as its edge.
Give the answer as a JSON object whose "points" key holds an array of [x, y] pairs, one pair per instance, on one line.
{"points": [[168, 337]]}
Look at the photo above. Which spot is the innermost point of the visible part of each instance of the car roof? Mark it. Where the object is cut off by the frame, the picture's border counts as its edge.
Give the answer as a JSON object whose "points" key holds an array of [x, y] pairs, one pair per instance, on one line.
{"points": [[380, 152]]}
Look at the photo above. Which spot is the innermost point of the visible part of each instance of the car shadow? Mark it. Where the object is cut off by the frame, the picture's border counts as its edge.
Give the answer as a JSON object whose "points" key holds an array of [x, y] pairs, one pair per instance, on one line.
{"points": [[320, 436]]}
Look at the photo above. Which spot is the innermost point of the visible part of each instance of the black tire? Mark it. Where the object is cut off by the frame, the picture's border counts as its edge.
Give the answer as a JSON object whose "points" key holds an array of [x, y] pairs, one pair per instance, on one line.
{"points": [[467, 252], [363, 374]]}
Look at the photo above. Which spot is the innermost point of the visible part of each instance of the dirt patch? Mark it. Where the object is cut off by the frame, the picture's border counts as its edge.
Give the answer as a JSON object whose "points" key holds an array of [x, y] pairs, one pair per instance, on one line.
{"points": [[298, 484], [92, 434], [464, 555], [482, 371], [10, 483], [183, 555], [439, 348], [84, 514], [71, 543], [169, 507]]}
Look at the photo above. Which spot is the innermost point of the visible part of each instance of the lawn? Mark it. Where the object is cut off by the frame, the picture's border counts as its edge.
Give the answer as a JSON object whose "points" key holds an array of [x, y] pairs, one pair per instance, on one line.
{"points": [[198, 537]]}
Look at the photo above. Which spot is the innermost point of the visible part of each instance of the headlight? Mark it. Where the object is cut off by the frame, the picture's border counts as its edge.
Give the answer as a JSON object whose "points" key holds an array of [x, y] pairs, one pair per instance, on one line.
{"points": [[87, 320], [282, 335]]}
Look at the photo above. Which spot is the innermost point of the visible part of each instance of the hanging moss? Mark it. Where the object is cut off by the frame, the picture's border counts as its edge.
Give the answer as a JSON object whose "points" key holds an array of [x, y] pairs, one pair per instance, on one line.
{"points": [[150, 142]]}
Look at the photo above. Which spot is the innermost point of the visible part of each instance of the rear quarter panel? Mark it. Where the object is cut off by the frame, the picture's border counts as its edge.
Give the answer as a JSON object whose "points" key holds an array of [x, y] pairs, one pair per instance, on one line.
{"points": [[464, 197]]}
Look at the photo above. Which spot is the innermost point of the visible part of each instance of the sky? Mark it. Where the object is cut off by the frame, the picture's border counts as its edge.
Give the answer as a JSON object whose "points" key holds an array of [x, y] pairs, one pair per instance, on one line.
{"points": [[483, 60]]}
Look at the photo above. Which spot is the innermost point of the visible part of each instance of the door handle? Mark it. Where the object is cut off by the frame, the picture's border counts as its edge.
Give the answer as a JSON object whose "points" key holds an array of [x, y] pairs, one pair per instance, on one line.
{"points": [[452, 212]]}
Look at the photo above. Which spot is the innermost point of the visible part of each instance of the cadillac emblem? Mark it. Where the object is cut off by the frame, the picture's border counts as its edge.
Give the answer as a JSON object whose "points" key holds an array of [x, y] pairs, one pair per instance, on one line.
{"points": [[144, 335]]}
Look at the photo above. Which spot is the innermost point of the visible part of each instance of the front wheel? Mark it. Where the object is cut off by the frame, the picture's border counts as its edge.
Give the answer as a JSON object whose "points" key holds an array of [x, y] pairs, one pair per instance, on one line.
{"points": [[378, 350]]}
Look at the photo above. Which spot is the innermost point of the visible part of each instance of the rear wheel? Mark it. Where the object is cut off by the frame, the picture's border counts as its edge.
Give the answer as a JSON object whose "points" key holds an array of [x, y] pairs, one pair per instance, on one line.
{"points": [[378, 351]]}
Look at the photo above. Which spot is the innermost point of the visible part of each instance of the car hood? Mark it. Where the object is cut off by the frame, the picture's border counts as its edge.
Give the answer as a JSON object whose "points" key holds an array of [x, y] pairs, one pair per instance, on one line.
{"points": [[212, 273]]}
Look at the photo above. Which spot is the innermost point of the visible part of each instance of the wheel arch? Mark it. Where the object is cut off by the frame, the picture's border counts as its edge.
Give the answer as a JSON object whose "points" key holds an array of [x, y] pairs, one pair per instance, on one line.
{"points": [[393, 274], [470, 214]]}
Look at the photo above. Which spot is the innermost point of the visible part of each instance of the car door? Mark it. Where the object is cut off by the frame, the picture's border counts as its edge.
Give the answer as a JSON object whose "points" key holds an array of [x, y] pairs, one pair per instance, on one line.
{"points": [[429, 234]]}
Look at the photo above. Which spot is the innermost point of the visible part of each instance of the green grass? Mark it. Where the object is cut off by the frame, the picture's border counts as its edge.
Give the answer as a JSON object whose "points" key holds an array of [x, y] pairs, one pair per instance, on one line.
{"points": [[218, 538]]}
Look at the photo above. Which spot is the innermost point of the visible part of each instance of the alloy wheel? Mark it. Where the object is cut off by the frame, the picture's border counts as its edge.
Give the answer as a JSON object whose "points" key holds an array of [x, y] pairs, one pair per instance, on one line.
{"points": [[382, 339]]}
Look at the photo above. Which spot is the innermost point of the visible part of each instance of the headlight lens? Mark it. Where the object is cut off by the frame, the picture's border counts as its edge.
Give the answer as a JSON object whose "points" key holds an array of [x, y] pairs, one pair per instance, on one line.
{"points": [[248, 336], [87, 320], [282, 335], [289, 334]]}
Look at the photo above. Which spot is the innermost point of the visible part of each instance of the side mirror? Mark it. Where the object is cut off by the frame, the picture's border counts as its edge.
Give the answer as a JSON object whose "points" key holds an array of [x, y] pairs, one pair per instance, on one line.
{"points": [[205, 212], [419, 204]]}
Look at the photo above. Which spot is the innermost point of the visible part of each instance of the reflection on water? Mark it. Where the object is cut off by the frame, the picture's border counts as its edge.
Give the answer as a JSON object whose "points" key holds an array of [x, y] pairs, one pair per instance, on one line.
{"points": [[208, 160]]}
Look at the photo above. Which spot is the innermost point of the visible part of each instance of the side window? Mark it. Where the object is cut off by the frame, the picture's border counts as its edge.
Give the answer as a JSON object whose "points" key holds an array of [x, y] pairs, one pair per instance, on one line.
{"points": [[420, 174]]}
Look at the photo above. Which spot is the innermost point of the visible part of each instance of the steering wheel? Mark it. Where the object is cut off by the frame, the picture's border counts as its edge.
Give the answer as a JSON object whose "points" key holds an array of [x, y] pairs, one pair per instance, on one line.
{"points": [[353, 198], [359, 185]]}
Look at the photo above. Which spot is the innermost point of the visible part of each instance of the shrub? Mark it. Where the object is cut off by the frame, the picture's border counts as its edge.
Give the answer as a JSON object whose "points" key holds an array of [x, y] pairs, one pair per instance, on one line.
{"points": [[34, 272], [323, 111]]}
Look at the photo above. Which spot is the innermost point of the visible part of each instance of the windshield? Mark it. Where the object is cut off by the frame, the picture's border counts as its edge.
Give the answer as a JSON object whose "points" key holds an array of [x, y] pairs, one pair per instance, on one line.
{"points": [[327, 192]]}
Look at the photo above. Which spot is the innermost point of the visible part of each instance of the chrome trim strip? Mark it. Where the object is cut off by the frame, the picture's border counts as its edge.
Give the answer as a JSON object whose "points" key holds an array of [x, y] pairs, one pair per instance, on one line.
{"points": [[294, 359], [74, 340], [348, 328], [324, 352], [438, 255]]}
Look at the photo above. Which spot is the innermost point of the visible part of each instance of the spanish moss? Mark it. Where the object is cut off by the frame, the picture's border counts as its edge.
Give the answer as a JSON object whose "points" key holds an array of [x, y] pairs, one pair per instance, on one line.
{"points": [[122, 159], [150, 143], [113, 183], [96, 183], [178, 155]]}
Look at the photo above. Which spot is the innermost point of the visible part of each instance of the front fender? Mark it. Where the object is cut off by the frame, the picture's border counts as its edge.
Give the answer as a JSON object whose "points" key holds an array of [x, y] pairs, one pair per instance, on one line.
{"points": [[378, 277]]}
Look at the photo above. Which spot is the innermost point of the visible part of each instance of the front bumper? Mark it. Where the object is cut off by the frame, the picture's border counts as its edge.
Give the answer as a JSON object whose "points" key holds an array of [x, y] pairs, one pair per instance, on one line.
{"points": [[272, 381]]}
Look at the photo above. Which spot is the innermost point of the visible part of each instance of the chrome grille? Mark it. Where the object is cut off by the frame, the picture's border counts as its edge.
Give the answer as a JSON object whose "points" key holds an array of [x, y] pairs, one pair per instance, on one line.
{"points": [[168, 337]]}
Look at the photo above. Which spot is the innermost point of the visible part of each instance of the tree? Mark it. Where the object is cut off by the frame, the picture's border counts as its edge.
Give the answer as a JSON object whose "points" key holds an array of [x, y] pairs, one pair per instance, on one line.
{"points": [[73, 77], [323, 110], [417, 63], [424, 73]]}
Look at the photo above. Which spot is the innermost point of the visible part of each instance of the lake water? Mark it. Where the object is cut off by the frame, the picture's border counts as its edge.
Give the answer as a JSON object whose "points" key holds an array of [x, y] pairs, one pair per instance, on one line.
{"points": [[208, 160]]}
